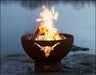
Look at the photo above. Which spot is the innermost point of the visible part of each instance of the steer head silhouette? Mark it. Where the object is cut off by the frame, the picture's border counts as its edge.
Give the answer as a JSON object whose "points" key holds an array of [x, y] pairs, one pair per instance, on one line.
{"points": [[47, 49]]}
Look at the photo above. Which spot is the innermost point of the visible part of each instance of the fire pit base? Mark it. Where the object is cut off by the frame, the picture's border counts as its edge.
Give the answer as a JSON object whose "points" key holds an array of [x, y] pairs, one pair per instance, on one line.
{"points": [[47, 66]]}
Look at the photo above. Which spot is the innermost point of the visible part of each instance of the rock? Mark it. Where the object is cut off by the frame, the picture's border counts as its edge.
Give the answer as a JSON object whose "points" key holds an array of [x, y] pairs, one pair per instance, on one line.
{"points": [[21, 59], [77, 48], [16, 55], [78, 64], [81, 62]]}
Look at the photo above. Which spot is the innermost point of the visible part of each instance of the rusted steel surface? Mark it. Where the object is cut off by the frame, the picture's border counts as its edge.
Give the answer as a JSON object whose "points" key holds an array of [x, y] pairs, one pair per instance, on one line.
{"points": [[59, 52]]}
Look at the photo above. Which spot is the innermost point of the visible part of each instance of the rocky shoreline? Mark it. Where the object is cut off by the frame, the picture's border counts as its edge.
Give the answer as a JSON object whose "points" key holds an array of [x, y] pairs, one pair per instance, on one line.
{"points": [[77, 64], [77, 48]]}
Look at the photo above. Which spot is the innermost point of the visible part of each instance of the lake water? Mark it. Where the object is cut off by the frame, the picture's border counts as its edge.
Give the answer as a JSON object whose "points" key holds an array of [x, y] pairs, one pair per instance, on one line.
{"points": [[18, 18]]}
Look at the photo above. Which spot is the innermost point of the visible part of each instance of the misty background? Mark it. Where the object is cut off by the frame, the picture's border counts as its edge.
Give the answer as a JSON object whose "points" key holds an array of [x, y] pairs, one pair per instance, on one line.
{"points": [[75, 17]]}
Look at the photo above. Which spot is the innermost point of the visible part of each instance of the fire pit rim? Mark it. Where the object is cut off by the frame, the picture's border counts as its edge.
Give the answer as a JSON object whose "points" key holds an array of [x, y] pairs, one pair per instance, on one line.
{"points": [[22, 37]]}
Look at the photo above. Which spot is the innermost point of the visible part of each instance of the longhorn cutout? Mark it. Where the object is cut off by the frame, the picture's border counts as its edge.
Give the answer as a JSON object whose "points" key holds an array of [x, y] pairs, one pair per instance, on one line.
{"points": [[47, 49]]}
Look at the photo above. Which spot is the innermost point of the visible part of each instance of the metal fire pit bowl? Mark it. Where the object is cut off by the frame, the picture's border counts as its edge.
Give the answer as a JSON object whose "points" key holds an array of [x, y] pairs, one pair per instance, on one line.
{"points": [[53, 61]]}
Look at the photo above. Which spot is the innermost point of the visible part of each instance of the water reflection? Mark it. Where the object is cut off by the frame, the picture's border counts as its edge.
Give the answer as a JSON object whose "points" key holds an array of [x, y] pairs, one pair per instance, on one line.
{"points": [[35, 4]]}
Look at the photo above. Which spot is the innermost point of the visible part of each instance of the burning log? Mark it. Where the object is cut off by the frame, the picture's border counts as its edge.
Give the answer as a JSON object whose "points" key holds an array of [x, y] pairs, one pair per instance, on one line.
{"points": [[39, 34], [36, 34]]}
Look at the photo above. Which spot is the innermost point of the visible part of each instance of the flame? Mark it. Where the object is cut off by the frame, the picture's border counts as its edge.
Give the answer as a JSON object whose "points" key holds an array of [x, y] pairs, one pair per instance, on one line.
{"points": [[47, 28]]}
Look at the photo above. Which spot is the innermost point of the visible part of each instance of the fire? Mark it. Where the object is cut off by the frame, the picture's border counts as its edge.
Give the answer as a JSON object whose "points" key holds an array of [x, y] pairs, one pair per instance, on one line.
{"points": [[46, 26], [46, 30]]}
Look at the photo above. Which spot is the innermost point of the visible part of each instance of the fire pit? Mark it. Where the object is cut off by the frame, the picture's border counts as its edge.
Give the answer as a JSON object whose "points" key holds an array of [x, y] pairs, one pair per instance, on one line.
{"points": [[46, 46], [53, 61]]}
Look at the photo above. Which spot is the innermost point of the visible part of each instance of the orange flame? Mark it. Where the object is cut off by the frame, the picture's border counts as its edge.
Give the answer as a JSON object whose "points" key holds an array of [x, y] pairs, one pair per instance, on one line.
{"points": [[47, 28]]}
